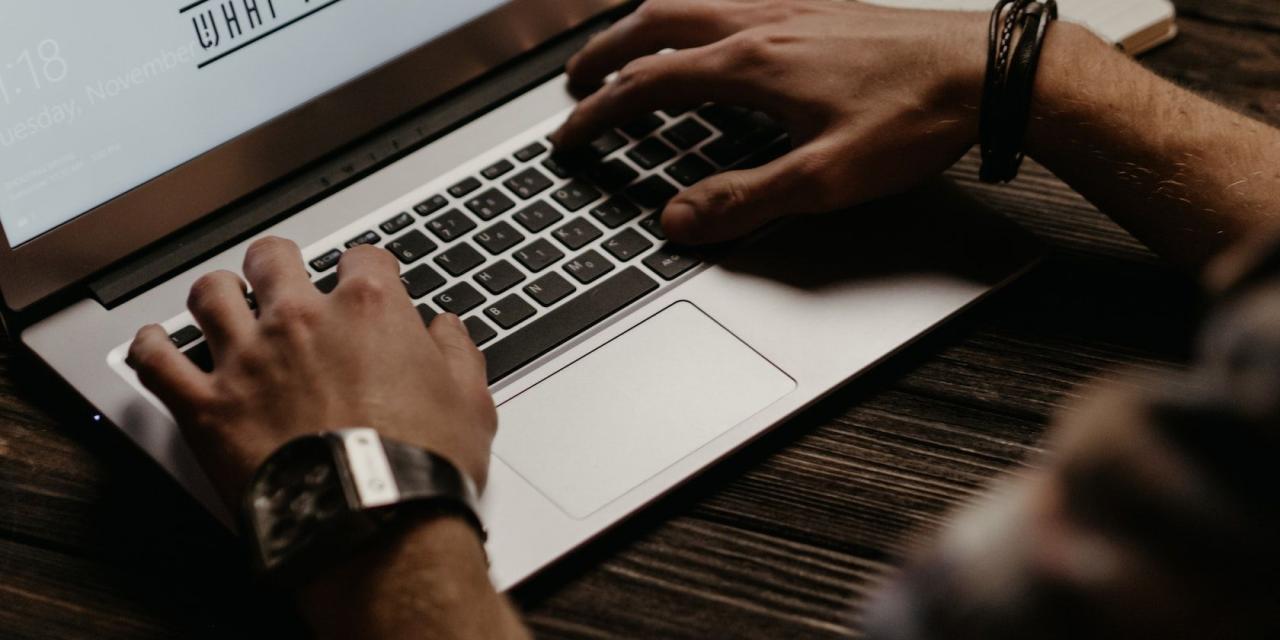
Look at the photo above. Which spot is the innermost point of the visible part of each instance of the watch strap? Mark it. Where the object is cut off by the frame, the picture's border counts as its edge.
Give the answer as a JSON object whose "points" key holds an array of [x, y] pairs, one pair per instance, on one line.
{"points": [[318, 498], [422, 476]]}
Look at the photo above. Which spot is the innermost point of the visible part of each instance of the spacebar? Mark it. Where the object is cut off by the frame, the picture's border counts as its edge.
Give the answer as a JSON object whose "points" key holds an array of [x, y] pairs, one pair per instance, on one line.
{"points": [[561, 324]]}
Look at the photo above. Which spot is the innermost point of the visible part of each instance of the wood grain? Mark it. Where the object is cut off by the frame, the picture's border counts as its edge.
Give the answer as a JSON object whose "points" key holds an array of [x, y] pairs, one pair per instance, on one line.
{"points": [[783, 541]]}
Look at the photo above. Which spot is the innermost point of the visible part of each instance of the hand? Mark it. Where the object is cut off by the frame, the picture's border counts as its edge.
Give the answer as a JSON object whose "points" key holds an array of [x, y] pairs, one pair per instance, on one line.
{"points": [[875, 99], [309, 362]]}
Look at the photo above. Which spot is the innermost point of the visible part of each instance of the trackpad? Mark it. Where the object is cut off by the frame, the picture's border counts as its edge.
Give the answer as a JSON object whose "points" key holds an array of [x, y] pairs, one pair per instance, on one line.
{"points": [[626, 411]]}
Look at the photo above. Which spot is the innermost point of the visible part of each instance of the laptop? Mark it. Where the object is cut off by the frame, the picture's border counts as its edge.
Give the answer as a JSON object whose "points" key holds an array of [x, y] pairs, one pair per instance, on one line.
{"points": [[145, 147]]}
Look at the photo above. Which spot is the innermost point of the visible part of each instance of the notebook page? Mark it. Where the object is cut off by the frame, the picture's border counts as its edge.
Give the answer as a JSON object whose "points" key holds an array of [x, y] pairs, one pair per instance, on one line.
{"points": [[1114, 20]]}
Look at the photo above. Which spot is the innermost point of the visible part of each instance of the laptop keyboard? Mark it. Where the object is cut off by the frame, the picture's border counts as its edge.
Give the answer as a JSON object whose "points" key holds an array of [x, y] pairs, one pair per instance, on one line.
{"points": [[536, 248]]}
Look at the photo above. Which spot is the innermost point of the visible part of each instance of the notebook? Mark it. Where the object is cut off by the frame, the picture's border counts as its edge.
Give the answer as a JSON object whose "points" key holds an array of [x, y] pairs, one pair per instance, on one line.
{"points": [[1134, 26]]}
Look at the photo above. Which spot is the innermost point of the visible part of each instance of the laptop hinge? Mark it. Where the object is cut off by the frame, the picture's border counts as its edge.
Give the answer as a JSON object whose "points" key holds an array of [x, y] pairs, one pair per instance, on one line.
{"points": [[155, 264]]}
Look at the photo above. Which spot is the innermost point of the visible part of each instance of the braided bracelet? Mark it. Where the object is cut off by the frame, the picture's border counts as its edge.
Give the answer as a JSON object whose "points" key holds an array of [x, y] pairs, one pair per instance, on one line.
{"points": [[1010, 82]]}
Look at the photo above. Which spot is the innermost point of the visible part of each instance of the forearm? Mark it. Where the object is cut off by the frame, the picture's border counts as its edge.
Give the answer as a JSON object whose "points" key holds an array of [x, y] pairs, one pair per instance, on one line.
{"points": [[431, 582], [1185, 176]]}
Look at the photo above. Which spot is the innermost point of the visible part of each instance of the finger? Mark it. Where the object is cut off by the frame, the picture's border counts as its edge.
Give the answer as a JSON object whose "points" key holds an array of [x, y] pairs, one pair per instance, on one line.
{"points": [[166, 372], [370, 274], [731, 205], [680, 79], [464, 359], [275, 269], [217, 302], [655, 26]]}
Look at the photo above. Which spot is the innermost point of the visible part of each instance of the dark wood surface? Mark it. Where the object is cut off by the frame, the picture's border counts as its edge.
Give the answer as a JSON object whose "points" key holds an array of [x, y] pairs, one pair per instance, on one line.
{"points": [[783, 540]]}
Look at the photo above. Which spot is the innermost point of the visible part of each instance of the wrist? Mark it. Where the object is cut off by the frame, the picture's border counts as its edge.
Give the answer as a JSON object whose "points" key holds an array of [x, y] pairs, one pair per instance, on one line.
{"points": [[428, 575], [1070, 58], [962, 57]]}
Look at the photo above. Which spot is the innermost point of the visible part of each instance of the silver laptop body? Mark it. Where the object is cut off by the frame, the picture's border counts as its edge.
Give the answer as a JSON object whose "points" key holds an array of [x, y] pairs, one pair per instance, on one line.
{"points": [[684, 364]]}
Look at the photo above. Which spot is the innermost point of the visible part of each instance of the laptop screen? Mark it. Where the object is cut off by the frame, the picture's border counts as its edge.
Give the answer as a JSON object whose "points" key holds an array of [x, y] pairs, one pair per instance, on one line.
{"points": [[97, 98]]}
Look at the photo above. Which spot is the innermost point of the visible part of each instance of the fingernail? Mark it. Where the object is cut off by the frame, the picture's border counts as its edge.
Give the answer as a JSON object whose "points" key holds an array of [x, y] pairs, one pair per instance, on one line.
{"points": [[455, 320]]}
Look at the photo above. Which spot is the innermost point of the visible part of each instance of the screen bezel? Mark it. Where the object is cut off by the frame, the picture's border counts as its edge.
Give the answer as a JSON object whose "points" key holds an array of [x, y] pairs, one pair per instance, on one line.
{"points": [[111, 231]]}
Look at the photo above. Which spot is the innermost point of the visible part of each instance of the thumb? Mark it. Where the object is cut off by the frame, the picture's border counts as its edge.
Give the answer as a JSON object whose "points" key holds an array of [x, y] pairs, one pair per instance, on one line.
{"points": [[465, 360], [730, 205]]}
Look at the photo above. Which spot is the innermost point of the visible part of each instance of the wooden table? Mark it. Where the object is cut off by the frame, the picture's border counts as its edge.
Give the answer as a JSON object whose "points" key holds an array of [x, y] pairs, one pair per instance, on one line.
{"points": [[784, 540]]}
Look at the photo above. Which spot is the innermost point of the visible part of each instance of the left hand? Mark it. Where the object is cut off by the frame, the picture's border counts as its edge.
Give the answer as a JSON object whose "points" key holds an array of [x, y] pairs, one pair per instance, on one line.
{"points": [[308, 362]]}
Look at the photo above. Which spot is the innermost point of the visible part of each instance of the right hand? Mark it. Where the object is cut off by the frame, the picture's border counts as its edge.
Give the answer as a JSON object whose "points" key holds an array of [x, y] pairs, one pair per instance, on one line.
{"points": [[875, 99]]}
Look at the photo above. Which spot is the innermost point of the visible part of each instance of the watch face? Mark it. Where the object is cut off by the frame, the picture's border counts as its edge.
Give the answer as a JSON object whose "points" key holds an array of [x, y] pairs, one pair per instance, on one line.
{"points": [[297, 489]]}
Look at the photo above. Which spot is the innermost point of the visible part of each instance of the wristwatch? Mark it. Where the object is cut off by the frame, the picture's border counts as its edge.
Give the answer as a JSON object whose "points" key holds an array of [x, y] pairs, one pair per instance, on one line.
{"points": [[321, 497]]}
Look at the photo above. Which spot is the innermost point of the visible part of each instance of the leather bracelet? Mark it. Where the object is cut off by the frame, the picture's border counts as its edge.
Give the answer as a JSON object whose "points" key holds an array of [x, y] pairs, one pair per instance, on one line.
{"points": [[1010, 83]]}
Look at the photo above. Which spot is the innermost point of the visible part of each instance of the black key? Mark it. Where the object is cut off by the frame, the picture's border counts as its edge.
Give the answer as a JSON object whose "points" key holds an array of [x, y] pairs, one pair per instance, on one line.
{"points": [[367, 237], [653, 224], [687, 133], [499, 277], [538, 255], [616, 211], [651, 153], [644, 126], [490, 204], [727, 152], [397, 223], [736, 122], [669, 264], [251, 299], [201, 356], [428, 314], [652, 192], [627, 245], [577, 233], [326, 261], [690, 170], [588, 267], [767, 154], [530, 152], [411, 247], [563, 323], [607, 144], [549, 289], [460, 259], [538, 216], [480, 332], [431, 205], [612, 175], [328, 283], [459, 299], [421, 280], [185, 336], [528, 183], [558, 165], [731, 121], [576, 195], [450, 225], [499, 238], [464, 187], [509, 311], [675, 113], [497, 169], [766, 126]]}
